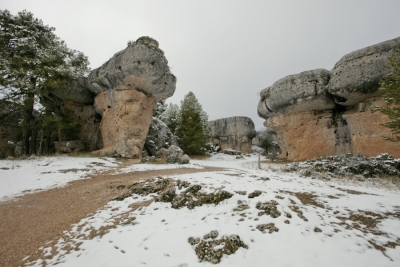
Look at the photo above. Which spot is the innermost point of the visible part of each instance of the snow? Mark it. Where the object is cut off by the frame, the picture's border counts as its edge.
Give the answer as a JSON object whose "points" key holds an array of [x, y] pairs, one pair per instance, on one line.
{"points": [[159, 234], [39, 173]]}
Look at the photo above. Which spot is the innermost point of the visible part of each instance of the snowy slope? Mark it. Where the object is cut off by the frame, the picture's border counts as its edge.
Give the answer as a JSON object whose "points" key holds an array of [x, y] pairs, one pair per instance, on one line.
{"points": [[330, 224]]}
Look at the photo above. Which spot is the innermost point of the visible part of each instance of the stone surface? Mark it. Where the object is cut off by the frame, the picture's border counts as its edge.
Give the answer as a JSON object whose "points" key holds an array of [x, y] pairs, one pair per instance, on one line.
{"points": [[89, 132], [77, 92], [308, 126], [235, 133], [159, 136], [126, 116], [355, 77], [141, 66], [295, 93], [173, 155]]}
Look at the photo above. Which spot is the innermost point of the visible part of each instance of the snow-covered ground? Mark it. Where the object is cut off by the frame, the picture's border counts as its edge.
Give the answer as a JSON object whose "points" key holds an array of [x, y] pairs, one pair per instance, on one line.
{"points": [[319, 223], [38, 173]]}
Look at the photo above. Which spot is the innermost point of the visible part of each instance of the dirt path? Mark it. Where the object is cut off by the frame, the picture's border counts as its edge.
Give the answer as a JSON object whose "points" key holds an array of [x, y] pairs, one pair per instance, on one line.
{"points": [[26, 224]]}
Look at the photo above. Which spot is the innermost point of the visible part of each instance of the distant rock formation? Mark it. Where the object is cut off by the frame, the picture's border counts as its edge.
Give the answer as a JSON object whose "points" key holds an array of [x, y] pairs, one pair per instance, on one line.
{"points": [[319, 112], [234, 132]]}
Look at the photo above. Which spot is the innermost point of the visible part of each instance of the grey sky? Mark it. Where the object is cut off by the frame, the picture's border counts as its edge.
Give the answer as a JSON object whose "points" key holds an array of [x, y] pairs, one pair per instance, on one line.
{"points": [[225, 51]]}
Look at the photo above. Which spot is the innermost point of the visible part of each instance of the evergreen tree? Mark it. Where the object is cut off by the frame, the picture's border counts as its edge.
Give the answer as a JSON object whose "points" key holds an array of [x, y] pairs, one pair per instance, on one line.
{"points": [[171, 117], [33, 63], [193, 131], [391, 84]]}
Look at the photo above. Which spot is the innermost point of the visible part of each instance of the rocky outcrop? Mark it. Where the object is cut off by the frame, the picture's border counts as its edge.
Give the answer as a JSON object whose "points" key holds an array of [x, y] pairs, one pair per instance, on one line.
{"points": [[159, 136], [235, 133], [356, 76], [141, 66], [296, 93], [319, 113], [173, 155], [127, 88]]}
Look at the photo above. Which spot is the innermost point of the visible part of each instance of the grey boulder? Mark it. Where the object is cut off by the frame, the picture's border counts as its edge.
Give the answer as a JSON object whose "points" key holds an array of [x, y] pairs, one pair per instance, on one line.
{"points": [[141, 66], [159, 136], [356, 75], [304, 91]]}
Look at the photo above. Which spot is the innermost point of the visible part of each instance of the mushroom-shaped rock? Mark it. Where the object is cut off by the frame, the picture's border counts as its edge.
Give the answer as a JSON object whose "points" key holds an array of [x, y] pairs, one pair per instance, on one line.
{"points": [[141, 66], [355, 77], [128, 87], [305, 91], [234, 132]]}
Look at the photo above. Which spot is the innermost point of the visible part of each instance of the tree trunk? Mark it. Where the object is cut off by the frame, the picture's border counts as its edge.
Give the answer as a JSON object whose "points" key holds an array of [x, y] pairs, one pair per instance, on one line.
{"points": [[28, 120], [33, 141]]}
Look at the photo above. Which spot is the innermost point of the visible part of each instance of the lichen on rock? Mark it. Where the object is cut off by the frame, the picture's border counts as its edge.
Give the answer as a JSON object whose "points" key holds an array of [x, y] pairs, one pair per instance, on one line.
{"points": [[192, 196], [268, 208], [212, 250]]}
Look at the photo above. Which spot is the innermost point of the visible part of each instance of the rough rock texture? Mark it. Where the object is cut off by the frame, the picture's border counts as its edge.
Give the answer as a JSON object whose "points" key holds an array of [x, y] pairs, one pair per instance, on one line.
{"points": [[89, 133], [234, 132], [356, 75], [159, 136], [340, 117], [347, 165], [192, 196], [212, 249], [295, 93], [142, 66], [128, 87], [173, 155], [126, 116], [77, 92]]}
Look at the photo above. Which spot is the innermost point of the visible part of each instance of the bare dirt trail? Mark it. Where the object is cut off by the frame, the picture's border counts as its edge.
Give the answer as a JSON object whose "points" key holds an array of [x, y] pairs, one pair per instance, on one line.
{"points": [[34, 219]]}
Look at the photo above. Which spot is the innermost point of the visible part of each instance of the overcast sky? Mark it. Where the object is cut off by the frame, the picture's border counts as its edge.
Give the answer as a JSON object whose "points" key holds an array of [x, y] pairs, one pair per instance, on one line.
{"points": [[225, 51]]}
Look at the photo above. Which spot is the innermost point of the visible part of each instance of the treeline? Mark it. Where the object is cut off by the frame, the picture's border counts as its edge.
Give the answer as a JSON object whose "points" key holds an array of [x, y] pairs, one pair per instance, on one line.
{"points": [[34, 64]]}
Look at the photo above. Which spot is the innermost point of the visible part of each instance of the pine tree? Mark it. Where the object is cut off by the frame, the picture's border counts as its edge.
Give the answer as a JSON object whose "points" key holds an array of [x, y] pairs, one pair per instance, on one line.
{"points": [[193, 131], [33, 63], [171, 117], [391, 84]]}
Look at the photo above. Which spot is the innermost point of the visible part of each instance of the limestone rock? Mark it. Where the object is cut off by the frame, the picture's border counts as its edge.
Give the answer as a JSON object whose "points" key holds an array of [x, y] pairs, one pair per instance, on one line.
{"points": [[89, 132], [126, 116], [295, 93], [159, 136], [77, 92], [309, 125], [235, 133], [355, 77], [173, 155], [141, 66]]}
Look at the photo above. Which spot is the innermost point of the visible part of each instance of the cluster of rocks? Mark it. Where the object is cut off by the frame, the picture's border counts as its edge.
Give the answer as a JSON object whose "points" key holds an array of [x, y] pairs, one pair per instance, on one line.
{"points": [[320, 112], [159, 136], [212, 249], [171, 155], [268, 208], [234, 133], [192, 196], [154, 185], [347, 165]]}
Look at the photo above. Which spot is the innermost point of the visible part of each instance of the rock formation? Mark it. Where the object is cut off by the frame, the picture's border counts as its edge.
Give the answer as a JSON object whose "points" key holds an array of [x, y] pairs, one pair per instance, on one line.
{"points": [[318, 113], [127, 88], [234, 133], [159, 136]]}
